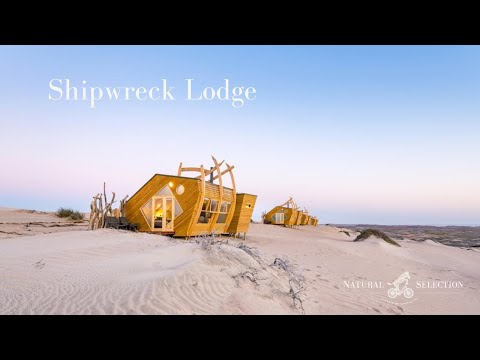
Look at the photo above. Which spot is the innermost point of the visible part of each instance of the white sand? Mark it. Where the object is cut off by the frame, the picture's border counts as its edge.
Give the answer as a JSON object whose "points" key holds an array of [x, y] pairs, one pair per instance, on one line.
{"points": [[14, 222], [116, 272]]}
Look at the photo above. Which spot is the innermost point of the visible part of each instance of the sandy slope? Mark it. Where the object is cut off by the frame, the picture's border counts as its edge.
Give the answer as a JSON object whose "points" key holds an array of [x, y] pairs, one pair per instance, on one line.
{"points": [[327, 258], [14, 222], [115, 272]]}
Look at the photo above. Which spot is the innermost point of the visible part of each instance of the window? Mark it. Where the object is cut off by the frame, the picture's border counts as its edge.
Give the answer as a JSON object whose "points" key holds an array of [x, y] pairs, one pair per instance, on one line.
{"points": [[147, 212], [210, 207], [279, 218], [165, 191], [225, 207], [222, 218], [213, 206], [203, 219], [180, 189]]}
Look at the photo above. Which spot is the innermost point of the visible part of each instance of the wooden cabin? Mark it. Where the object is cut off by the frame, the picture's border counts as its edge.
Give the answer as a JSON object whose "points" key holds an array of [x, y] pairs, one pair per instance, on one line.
{"points": [[189, 206], [285, 214]]}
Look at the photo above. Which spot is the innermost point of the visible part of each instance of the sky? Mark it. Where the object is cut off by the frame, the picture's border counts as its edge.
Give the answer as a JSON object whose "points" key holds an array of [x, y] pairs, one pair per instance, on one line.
{"points": [[356, 134]]}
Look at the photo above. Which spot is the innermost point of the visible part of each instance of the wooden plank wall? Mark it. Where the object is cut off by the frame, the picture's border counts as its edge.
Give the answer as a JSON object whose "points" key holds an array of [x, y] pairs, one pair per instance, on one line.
{"points": [[290, 216], [299, 218], [242, 215], [304, 219]]}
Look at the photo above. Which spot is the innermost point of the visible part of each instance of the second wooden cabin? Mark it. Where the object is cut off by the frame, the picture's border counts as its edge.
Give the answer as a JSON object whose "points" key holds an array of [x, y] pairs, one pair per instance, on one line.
{"points": [[285, 214], [288, 214]]}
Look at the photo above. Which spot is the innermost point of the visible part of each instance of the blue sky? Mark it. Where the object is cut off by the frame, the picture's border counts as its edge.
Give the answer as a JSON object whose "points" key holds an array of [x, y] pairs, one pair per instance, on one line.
{"points": [[356, 134]]}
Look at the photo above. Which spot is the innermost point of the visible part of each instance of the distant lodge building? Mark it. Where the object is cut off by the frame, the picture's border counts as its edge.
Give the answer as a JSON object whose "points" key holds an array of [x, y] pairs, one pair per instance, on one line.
{"points": [[288, 214], [190, 206]]}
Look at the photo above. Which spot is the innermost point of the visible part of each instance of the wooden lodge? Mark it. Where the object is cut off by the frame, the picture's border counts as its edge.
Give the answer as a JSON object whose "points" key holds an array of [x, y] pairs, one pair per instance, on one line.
{"points": [[288, 214], [285, 214], [189, 206]]}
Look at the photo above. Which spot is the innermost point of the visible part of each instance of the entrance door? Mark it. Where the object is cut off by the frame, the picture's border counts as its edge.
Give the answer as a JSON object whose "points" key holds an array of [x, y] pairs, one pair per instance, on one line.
{"points": [[163, 213]]}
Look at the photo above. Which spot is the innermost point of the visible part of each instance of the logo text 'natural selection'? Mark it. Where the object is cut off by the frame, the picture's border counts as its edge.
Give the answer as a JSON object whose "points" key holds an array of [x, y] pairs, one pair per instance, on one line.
{"points": [[65, 89]]}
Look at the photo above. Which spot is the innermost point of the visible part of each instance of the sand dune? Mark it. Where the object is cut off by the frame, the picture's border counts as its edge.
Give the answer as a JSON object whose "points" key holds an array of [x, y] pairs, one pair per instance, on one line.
{"points": [[279, 271], [114, 272], [14, 222]]}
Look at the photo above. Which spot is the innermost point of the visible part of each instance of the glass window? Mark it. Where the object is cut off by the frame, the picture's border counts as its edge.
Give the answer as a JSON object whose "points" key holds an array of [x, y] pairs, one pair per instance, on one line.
{"points": [[213, 206], [279, 218], [180, 189], [178, 209], [210, 207], [165, 191], [203, 219], [224, 208], [147, 212]]}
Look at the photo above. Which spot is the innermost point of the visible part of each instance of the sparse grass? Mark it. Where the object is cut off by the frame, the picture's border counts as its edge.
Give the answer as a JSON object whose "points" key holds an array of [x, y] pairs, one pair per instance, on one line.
{"points": [[345, 232], [365, 234], [69, 214]]}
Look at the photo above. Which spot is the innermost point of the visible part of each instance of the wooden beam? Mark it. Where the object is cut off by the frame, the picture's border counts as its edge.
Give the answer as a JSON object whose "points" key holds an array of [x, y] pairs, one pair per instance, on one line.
{"points": [[202, 177], [208, 172], [287, 203], [234, 201], [228, 169], [191, 169], [220, 188], [196, 213], [179, 170]]}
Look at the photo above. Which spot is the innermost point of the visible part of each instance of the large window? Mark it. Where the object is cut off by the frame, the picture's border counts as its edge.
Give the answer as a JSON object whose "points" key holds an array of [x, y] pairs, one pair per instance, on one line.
{"points": [[279, 218], [222, 218], [155, 210], [205, 213], [210, 207], [213, 206]]}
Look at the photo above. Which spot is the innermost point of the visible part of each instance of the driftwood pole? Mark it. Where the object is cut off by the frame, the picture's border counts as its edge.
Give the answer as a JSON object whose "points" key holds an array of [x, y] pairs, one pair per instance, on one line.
{"points": [[99, 209], [122, 206]]}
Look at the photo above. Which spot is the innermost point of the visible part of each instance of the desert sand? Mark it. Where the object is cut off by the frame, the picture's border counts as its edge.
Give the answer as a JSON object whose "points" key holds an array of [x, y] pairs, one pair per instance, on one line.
{"points": [[52, 266]]}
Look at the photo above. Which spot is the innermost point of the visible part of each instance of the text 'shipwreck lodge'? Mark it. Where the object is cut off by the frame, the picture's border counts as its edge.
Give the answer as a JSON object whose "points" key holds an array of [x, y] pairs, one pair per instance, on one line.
{"points": [[190, 206]]}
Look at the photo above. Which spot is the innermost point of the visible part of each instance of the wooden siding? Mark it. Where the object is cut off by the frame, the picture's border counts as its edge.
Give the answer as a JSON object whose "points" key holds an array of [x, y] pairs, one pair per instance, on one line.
{"points": [[188, 201], [243, 214], [212, 191], [305, 219], [290, 217], [299, 218]]}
